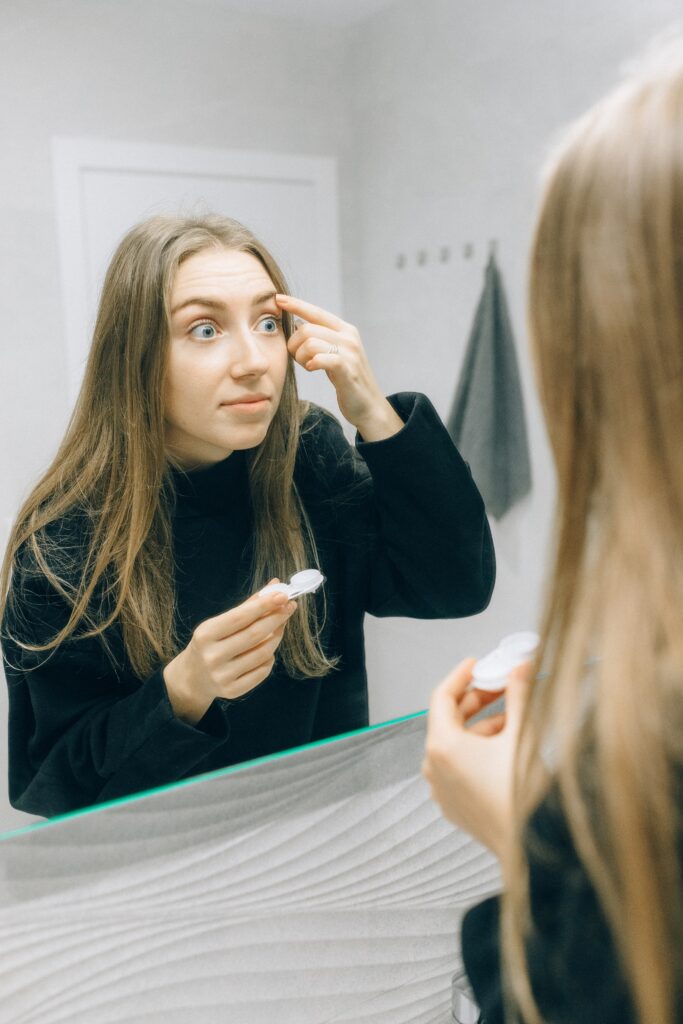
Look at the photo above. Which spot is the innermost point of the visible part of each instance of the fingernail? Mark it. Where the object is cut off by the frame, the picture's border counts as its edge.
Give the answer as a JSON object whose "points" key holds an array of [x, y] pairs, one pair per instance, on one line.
{"points": [[282, 298]]}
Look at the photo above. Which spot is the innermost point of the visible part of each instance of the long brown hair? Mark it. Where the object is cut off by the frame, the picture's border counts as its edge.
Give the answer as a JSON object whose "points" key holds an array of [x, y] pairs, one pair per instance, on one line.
{"points": [[112, 469], [606, 322]]}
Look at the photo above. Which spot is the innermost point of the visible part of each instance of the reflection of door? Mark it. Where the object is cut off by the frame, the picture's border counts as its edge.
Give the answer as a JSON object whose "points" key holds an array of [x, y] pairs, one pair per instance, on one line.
{"points": [[103, 188]]}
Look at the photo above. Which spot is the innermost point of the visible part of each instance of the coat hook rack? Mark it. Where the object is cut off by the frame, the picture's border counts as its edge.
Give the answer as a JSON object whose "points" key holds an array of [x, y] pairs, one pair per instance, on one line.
{"points": [[444, 253]]}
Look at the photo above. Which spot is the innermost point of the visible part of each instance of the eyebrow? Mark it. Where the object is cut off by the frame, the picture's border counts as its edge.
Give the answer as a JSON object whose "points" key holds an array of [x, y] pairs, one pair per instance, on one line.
{"points": [[211, 303]]}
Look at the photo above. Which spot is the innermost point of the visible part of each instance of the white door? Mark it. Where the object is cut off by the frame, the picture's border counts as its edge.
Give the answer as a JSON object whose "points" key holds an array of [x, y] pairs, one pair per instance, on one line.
{"points": [[103, 188]]}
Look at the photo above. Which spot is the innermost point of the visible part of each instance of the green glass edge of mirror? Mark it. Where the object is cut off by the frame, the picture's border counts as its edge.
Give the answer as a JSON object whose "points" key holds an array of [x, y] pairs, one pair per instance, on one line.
{"points": [[219, 773]]}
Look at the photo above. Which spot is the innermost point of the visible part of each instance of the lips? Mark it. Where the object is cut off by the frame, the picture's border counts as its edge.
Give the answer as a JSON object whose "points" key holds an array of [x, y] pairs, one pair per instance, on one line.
{"points": [[247, 400]]}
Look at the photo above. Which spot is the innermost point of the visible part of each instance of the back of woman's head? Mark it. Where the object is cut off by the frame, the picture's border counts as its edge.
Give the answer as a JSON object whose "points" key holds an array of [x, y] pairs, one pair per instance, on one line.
{"points": [[606, 297], [606, 324]]}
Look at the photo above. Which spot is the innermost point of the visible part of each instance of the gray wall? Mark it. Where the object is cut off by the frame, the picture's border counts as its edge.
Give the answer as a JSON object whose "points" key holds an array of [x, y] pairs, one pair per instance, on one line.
{"points": [[439, 113]]}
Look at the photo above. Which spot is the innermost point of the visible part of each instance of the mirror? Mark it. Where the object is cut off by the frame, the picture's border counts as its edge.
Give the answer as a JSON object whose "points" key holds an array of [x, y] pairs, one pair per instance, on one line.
{"points": [[436, 116]]}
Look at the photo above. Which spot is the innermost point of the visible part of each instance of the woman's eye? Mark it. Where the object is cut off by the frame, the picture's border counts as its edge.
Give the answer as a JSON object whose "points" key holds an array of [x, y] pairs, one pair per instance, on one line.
{"points": [[270, 324], [205, 332]]}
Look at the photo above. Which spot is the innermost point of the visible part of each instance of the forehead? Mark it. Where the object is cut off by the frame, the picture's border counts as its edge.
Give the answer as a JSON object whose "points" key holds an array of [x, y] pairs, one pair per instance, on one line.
{"points": [[225, 273]]}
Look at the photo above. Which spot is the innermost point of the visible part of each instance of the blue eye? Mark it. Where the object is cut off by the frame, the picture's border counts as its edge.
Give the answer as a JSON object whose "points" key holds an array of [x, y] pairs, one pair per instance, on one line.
{"points": [[207, 332], [274, 321]]}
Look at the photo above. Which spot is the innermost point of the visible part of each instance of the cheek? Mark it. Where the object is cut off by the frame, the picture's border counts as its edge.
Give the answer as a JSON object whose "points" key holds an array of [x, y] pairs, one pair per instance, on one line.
{"points": [[185, 388]]}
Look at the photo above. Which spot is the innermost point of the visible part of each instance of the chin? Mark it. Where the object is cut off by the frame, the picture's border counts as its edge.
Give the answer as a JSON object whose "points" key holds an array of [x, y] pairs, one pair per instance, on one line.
{"points": [[249, 438]]}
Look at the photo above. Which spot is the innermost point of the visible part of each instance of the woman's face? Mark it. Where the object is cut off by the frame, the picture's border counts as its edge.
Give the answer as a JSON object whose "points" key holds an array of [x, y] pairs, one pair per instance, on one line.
{"points": [[227, 357]]}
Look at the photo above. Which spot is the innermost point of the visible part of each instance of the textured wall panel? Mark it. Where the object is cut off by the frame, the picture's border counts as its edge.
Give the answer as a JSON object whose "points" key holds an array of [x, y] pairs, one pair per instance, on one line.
{"points": [[313, 888]]}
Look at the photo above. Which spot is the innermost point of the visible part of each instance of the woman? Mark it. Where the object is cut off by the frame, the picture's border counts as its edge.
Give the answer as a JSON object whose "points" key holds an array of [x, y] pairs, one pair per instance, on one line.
{"points": [[577, 787], [137, 649]]}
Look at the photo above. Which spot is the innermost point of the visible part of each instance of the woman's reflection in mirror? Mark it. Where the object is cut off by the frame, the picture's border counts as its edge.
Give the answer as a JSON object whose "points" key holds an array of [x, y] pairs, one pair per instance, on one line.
{"points": [[137, 648]]}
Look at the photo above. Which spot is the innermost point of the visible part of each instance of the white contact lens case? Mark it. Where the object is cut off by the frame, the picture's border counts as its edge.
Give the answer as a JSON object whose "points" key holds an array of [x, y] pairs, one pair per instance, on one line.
{"points": [[304, 582], [491, 671]]}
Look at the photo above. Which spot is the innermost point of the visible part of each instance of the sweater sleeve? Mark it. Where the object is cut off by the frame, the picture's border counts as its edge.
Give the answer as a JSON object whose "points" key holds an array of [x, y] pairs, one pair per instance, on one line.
{"points": [[409, 513], [82, 728]]}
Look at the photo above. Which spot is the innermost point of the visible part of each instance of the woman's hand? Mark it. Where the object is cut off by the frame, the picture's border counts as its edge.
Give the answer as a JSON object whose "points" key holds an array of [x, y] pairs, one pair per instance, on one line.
{"points": [[228, 655], [470, 769], [325, 342]]}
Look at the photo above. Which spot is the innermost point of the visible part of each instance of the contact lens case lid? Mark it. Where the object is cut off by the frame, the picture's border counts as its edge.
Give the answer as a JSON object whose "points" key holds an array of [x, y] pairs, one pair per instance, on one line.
{"points": [[491, 671], [521, 643], [304, 582]]}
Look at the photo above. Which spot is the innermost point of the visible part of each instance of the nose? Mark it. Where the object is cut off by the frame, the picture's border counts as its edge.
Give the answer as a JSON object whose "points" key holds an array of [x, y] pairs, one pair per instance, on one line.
{"points": [[249, 357]]}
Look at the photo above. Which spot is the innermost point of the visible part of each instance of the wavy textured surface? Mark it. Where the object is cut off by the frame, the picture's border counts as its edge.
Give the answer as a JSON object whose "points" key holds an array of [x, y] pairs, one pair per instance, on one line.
{"points": [[317, 888]]}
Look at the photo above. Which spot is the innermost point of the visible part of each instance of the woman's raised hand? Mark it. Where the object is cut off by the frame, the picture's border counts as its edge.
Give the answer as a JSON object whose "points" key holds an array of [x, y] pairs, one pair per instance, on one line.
{"points": [[325, 342], [228, 655], [470, 768]]}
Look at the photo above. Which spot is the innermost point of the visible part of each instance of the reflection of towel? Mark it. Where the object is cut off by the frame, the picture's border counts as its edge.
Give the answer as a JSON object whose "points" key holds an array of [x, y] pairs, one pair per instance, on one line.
{"points": [[487, 418]]}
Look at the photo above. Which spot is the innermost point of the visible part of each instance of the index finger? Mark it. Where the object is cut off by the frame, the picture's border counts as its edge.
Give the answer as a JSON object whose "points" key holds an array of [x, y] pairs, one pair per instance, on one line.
{"points": [[222, 626], [307, 311], [444, 702]]}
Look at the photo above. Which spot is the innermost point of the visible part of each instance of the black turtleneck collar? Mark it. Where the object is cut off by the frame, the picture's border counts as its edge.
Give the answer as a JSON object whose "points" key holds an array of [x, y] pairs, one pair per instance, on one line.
{"points": [[214, 490]]}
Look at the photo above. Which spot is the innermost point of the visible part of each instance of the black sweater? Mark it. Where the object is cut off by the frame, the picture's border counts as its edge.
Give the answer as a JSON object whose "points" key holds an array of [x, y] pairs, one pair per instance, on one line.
{"points": [[400, 530], [573, 964]]}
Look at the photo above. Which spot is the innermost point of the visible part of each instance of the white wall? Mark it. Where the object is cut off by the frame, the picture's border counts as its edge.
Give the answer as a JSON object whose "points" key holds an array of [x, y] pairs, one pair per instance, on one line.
{"points": [[439, 112]]}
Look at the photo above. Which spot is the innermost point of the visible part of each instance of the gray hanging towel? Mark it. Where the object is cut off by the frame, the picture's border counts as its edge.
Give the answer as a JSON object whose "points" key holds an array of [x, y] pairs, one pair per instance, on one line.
{"points": [[487, 418]]}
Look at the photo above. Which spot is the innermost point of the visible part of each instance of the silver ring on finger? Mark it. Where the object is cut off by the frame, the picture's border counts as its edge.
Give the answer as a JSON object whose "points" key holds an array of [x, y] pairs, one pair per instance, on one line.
{"points": [[332, 350]]}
